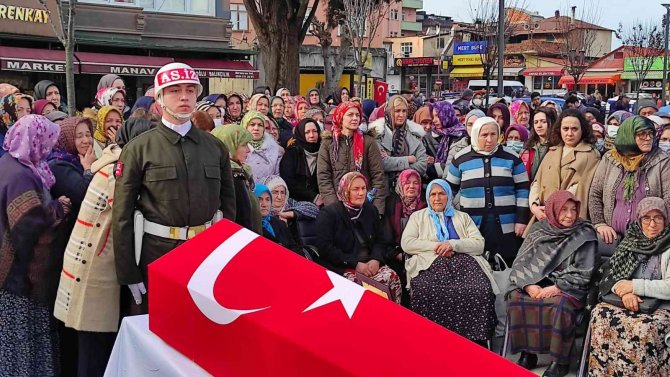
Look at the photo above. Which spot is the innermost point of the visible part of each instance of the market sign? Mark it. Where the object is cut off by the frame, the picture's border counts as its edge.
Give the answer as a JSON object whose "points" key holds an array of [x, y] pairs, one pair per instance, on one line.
{"points": [[225, 74], [650, 75], [29, 17], [474, 59], [468, 48], [415, 62], [34, 66], [656, 65]]}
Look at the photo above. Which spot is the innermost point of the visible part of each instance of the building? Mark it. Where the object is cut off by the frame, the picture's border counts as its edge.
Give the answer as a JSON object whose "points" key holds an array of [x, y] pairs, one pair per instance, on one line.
{"points": [[122, 38]]}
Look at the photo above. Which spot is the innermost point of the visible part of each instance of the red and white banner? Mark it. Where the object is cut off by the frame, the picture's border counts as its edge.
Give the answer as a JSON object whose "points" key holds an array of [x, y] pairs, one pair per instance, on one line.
{"points": [[238, 304]]}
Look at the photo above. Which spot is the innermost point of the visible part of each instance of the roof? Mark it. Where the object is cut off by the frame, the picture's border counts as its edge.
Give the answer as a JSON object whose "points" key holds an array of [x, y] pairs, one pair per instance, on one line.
{"points": [[553, 25]]}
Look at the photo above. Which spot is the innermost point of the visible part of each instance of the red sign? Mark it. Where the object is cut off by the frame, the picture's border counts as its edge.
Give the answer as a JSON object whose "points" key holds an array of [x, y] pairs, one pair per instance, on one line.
{"points": [[415, 62], [239, 305], [438, 82], [176, 74], [381, 91]]}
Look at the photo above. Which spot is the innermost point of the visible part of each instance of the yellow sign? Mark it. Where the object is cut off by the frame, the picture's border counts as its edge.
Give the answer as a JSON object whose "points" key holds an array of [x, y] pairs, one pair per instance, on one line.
{"points": [[445, 65], [472, 59], [369, 88], [17, 13], [368, 61]]}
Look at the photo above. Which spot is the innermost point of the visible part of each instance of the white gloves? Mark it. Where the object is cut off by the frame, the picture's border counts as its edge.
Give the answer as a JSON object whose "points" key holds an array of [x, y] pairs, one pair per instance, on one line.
{"points": [[137, 290]]}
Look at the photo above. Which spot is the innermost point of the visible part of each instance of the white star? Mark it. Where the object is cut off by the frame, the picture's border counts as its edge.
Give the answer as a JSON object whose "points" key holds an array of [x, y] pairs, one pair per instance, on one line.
{"points": [[347, 292]]}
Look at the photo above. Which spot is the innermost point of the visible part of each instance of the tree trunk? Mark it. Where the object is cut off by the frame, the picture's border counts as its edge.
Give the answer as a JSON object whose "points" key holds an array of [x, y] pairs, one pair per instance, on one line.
{"points": [[359, 73], [69, 79], [281, 59]]}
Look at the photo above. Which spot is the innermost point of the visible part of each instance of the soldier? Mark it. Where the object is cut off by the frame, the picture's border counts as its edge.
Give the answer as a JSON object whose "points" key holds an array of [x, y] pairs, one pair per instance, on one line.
{"points": [[171, 182]]}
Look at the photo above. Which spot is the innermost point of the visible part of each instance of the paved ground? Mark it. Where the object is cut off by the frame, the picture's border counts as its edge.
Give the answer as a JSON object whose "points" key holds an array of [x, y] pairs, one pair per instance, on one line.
{"points": [[543, 360]]}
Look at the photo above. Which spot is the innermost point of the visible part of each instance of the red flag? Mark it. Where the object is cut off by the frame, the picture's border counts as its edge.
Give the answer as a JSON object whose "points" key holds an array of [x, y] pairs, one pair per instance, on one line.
{"points": [[381, 91], [238, 304]]}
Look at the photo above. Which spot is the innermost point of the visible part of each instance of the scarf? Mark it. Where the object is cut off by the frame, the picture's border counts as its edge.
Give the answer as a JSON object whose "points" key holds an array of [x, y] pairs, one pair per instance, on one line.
{"points": [[627, 152], [105, 95], [100, 134], [514, 109], [248, 117], [107, 80], [66, 149], [358, 139], [474, 134], [451, 128], [234, 136], [409, 205], [229, 118], [343, 189], [273, 182], [8, 114], [423, 113], [30, 141], [505, 113], [253, 102], [299, 136], [440, 219], [259, 190]]}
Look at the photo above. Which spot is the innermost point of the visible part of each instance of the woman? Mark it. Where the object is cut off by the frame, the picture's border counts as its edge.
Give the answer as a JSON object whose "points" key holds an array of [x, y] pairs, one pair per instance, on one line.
{"points": [[299, 165], [340, 96], [445, 131], [234, 112], [633, 170], [236, 138], [12, 108], [500, 113], [260, 103], [314, 99], [299, 109], [350, 238], [613, 122], [347, 149], [664, 138], [48, 90], [219, 100], [111, 97], [519, 113], [274, 229], [28, 282], [569, 164], [469, 120], [537, 145], [549, 282], [143, 102], [285, 207], [43, 107], [285, 127], [450, 281], [111, 81], [317, 115], [515, 136], [624, 340], [212, 111], [552, 105], [109, 120], [499, 204], [424, 117], [265, 154], [283, 93]]}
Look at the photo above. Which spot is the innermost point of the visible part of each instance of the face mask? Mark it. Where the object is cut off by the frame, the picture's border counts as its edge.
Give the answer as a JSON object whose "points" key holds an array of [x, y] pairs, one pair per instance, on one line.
{"points": [[664, 146], [515, 145], [600, 144], [217, 122], [320, 125], [612, 131], [477, 102]]}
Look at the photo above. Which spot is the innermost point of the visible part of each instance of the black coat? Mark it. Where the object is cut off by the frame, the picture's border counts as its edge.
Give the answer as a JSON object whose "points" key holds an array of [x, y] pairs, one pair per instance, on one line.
{"points": [[432, 144], [302, 185], [282, 236], [242, 201], [337, 242]]}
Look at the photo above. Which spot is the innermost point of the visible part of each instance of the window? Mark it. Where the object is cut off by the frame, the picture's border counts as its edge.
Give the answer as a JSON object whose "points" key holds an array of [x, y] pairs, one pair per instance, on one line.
{"points": [[205, 7], [393, 14], [406, 49], [238, 16], [440, 42], [550, 38], [393, 34]]}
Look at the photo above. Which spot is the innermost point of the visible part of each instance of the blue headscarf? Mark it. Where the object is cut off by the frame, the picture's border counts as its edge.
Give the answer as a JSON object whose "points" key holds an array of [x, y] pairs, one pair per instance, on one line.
{"points": [[260, 190], [143, 102], [449, 211]]}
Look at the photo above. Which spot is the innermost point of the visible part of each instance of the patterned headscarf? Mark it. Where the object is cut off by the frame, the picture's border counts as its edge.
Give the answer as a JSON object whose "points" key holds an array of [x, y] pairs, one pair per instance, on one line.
{"points": [[107, 80], [555, 202], [449, 211], [409, 205], [66, 148], [254, 101], [100, 134], [313, 111], [474, 134], [359, 141], [514, 109], [627, 152], [272, 182], [298, 102], [344, 187], [451, 128], [259, 190], [505, 113], [203, 105], [104, 97], [8, 114], [30, 141], [7, 89], [228, 118], [248, 117], [290, 101]]}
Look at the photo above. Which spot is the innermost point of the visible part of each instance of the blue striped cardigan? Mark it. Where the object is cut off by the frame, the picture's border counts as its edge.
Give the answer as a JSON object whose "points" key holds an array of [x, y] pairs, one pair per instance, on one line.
{"points": [[496, 184]]}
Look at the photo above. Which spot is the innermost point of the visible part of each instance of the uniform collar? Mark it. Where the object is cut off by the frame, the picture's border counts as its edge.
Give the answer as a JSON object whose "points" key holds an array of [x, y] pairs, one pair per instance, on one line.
{"points": [[174, 137]]}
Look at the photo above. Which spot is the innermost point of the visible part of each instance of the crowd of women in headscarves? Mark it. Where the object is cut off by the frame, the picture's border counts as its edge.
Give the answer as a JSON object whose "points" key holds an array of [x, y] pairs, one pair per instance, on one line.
{"points": [[422, 199]]}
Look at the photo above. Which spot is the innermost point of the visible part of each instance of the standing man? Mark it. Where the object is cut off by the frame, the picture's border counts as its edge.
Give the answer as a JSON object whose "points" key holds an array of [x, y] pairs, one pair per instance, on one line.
{"points": [[535, 101], [171, 182]]}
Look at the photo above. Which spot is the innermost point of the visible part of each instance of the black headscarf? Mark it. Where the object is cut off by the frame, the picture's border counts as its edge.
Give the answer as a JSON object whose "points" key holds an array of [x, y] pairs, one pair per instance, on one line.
{"points": [[41, 89], [228, 119], [337, 96]]}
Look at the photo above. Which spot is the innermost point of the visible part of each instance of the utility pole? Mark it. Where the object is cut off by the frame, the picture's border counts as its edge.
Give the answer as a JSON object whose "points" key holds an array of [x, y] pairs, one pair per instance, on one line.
{"points": [[501, 45], [665, 53]]}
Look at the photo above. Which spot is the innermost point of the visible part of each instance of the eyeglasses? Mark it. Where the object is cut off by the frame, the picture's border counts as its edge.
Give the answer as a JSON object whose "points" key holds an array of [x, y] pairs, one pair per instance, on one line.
{"points": [[646, 220], [645, 134]]}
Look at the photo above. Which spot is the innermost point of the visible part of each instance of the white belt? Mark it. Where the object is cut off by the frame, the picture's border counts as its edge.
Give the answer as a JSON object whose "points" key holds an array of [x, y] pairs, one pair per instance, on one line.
{"points": [[179, 233]]}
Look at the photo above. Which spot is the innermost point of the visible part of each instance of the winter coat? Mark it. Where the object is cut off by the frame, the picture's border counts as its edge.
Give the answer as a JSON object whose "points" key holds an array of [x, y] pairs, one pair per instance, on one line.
{"points": [[264, 162], [302, 185], [384, 136]]}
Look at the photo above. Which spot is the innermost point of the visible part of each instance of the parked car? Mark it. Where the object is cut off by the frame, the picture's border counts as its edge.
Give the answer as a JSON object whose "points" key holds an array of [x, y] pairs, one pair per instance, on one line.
{"points": [[633, 98]]}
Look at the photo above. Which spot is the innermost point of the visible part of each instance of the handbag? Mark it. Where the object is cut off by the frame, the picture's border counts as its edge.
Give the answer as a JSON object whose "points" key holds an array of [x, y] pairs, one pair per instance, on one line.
{"points": [[647, 306], [501, 274]]}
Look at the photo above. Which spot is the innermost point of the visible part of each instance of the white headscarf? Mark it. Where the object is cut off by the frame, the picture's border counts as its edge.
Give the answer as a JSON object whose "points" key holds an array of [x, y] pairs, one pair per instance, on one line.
{"points": [[272, 182], [278, 94], [474, 135]]}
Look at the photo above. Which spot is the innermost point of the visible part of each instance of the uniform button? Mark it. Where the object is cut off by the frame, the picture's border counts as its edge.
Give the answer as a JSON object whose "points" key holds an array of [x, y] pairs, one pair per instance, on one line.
{"points": [[83, 262], [486, 160], [490, 205], [77, 279], [90, 244], [488, 189], [97, 225]]}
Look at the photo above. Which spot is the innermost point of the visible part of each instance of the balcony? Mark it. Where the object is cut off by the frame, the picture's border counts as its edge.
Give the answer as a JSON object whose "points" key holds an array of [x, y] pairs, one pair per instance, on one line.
{"points": [[411, 26], [413, 4]]}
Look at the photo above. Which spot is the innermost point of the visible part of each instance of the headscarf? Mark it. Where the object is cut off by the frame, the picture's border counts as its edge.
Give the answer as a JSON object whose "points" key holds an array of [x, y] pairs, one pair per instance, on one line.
{"points": [[627, 152], [7, 89], [272, 182], [343, 192], [143, 102], [253, 114], [514, 109], [132, 128], [505, 113], [440, 218], [309, 114], [228, 118], [368, 106], [474, 135], [476, 112], [409, 205], [291, 103], [104, 96], [107, 80], [521, 129], [8, 114], [259, 190], [337, 96], [40, 91], [320, 103], [297, 103], [635, 246], [620, 116], [56, 115], [556, 107], [66, 148], [278, 94], [358, 142], [451, 128], [553, 206], [254, 101], [39, 105], [215, 97], [423, 113], [203, 105], [30, 140], [299, 139], [99, 133], [233, 136]]}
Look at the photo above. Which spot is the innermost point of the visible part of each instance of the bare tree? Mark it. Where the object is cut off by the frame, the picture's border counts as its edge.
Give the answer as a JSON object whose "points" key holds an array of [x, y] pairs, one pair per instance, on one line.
{"points": [[360, 23], [281, 27], [334, 58], [63, 26], [644, 43]]}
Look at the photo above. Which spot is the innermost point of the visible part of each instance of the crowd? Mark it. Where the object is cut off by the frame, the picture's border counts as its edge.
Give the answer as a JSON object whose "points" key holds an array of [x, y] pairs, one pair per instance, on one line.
{"points": [[421, 197]]}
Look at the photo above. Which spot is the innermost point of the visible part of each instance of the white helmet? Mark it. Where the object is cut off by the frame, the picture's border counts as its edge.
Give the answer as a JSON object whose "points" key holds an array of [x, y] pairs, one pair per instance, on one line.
{"points": [[173, 74]]}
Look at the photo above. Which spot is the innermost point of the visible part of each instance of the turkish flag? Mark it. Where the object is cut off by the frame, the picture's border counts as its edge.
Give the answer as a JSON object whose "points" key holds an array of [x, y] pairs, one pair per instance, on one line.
{"points": [[381, 91], [238, 304]]}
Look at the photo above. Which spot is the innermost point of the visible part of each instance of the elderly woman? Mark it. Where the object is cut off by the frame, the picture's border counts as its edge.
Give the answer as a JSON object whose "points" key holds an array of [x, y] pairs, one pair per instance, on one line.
{"points": [[347, 149], [515, 136], [633, 170], [423, 117], [287, 209], [236, 139], [500, 113], [314, 99], [299, 110], [569, 164], [274, 228], [612, 125], [48, 90], [109, 120], [520, 113], [399, 140], [625, 339], [537, 145], [445, 131], [285, 127], [30, 266], [111, 97], [234, 108], [549, 282], [12, 108], [350, 235], [497, 203], [469, 120], [450, 281], [265, 153], [299, 165], [260, 103]]}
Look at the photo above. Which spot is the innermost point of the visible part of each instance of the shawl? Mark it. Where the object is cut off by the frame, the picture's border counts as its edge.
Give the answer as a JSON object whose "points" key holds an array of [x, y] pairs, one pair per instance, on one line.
{"points": [[514, 109], [627, 152], [104, 96], [30, 141], [358, 142], [409, 205], [107, 80], [474, 134], [343, 192], [256, 144], [40, 91], [229, 118], [8, 114], [505, 113], [259, 190], [451, 128], [99, 133], [440, 219], [39, 105]]}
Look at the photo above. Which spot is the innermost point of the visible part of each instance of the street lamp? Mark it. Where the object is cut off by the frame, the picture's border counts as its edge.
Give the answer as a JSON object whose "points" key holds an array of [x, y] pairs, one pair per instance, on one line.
{"points": [[665, 53]]}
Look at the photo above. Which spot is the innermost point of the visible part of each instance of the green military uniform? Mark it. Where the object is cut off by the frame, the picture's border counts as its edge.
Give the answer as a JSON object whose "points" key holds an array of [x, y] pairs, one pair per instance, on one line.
{"points": [[180, 181]]}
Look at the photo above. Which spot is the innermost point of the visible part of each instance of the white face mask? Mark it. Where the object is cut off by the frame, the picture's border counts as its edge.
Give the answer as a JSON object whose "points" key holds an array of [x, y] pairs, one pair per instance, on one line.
{"points": [[664, 146], [477, 102], [217, 122], [320, 125], [515, 145], [612, 130], [600, 144]]}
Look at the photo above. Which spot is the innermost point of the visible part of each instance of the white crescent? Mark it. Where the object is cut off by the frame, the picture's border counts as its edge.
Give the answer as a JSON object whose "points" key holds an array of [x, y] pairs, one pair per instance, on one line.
{"points": [[201, 284]]}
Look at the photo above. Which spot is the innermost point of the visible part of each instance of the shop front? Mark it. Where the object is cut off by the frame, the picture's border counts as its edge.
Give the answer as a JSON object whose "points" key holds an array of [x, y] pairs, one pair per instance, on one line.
{"points": [[652, 82], [467, 64], [419, 74]]}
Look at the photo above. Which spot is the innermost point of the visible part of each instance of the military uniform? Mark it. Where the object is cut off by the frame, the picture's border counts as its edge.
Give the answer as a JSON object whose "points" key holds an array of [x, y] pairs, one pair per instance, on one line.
{"points": [[180, 181]]}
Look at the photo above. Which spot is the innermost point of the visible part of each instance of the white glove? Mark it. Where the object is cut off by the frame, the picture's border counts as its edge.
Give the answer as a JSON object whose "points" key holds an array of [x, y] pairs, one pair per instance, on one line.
{"points": [[137, 290]]}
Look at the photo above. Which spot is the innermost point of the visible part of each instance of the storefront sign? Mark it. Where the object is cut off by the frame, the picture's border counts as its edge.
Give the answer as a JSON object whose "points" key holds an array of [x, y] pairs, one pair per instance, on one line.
{"points": [[635, 64], [29, 17], [467, 48], [514, 61], [17, 65], [475, 59], [414, 62], [14, 13], [219, 74]]}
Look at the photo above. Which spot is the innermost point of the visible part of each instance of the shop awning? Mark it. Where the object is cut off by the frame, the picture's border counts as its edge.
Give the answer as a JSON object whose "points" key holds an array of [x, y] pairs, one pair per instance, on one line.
{"points": [[467, 72], [543, 71], [229, 69], [590, 80], [32, 60], [133, 65]]}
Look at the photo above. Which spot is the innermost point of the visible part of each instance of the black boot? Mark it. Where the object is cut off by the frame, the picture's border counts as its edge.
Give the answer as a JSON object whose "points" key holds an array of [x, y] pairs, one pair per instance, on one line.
{"points": [[556, 370], [527, 360]]}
